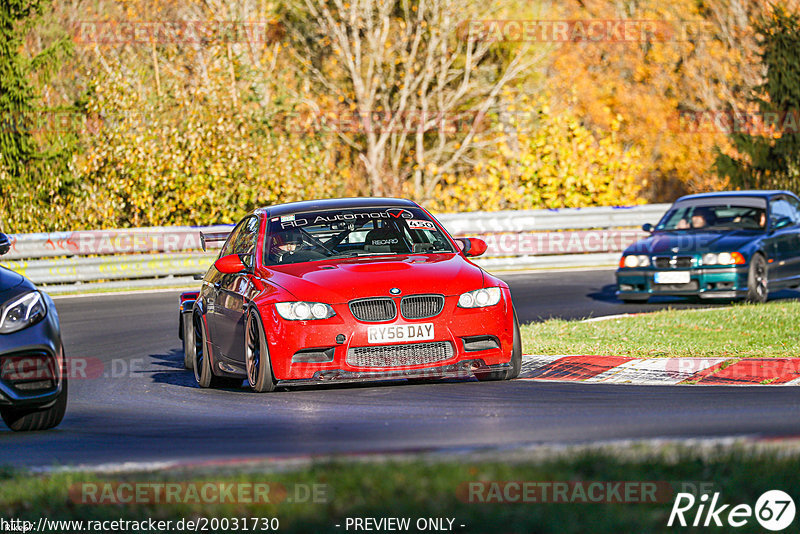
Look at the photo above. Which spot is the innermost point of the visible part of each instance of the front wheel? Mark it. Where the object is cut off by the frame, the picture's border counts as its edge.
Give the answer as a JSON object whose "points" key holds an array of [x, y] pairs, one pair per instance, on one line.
{"points": [[21, 420], [757, 290], [256, 356], [515, 365]]}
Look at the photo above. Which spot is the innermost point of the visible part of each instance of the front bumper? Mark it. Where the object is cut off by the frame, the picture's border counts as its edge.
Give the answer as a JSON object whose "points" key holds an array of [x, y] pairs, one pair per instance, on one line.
{"points": [[452, 325], [709, 282], [461, 370], [32, 363]]}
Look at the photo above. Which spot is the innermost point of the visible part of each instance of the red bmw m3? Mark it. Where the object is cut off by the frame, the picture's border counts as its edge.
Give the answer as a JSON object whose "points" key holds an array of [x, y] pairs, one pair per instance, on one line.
{"points": [[344, 290]]}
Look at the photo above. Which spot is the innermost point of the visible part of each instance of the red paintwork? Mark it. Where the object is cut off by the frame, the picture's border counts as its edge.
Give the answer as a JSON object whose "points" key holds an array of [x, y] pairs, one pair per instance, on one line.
{"points": [[476, 247], [230, 264], [338, 281], [447, 274]]}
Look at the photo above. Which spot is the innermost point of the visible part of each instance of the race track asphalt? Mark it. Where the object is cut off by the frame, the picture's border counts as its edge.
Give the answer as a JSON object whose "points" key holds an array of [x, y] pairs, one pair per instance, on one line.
{"points": [[139, 405]]}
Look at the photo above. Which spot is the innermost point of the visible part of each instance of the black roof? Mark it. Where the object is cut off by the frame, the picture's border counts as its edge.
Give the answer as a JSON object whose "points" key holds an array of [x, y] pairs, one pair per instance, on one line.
{"points": [[750, 193], [334, 204]]}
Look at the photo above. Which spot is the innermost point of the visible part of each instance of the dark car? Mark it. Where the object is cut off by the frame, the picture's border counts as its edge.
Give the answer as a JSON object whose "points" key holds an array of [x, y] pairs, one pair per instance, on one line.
{"points": [[33, 384], [717, 245]]}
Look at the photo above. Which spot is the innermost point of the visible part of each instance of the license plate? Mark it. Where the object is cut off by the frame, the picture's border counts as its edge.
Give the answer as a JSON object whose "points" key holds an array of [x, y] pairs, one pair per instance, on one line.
{"points": [[399, 333], [678, 277]]}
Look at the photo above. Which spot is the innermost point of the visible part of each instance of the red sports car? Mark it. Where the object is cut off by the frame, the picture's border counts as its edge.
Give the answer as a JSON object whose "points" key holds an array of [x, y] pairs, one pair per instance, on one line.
{"points": [[347, 290]]}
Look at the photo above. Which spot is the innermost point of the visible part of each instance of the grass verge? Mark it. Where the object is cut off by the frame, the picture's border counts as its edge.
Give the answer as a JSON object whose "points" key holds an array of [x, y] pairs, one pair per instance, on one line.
{"points": [[741, 331], [420, 489]]}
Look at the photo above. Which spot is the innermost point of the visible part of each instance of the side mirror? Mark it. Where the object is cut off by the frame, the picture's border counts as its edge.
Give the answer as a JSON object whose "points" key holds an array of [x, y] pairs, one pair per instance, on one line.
{"points": [[647, 227], [472, 246], [5, 244], [782, 222], [230, 264]]}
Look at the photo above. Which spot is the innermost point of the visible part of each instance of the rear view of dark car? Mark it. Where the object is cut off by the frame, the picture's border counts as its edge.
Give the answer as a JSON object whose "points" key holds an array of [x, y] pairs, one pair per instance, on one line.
{"points": [[33, 385]]}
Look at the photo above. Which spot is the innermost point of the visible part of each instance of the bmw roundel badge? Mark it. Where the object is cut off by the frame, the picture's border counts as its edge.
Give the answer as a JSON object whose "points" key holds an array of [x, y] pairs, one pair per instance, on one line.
{"points": [[395, 291]]}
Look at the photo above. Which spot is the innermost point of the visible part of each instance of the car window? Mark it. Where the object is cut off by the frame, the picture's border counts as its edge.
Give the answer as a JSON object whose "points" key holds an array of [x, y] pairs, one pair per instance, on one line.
{"points": [[690, 216], [245, 242], [228, 247], [313, 236], [782, 209], [795, 205]]}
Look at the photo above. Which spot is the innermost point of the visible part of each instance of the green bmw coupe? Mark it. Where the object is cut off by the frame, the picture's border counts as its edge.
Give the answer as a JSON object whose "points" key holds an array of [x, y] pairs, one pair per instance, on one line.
{"points": [[735, 244]]}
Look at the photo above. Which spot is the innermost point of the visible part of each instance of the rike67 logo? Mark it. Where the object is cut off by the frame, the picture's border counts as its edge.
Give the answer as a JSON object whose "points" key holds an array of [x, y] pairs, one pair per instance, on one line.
{"points": [[774, 511]]}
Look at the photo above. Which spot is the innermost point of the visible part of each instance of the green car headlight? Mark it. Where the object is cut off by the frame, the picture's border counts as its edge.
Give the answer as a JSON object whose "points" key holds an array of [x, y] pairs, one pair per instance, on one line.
{"points": [[634, 260], [723, 258]]}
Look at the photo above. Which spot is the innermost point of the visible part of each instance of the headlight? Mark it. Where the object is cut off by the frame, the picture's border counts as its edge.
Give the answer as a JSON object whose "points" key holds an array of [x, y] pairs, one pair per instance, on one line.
{"points": [[724, 258], [304, 311], [633, 261], [480, 298], [23, 311]]}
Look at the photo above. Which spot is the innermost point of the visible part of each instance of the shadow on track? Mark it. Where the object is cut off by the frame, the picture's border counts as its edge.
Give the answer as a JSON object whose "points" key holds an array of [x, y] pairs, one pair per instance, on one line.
{"points": [[170, 370], [607, 293], [174, 374]]}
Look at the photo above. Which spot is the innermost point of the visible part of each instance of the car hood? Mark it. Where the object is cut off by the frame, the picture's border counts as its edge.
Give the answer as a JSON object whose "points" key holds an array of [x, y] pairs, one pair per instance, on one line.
{"points": [[694, 242], [341, 281], [10, 280]]}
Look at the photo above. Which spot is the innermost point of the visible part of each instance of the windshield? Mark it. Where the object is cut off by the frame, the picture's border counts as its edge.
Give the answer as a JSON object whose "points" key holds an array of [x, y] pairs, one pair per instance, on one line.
{"points": [[321, 235], [713, 217]]}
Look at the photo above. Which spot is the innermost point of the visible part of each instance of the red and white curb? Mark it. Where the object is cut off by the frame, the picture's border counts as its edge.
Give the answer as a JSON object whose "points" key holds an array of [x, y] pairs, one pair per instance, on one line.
{"points": [[666, 371]]}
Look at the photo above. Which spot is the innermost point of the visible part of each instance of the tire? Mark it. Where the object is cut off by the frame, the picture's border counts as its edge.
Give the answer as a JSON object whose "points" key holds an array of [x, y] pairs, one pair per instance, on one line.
{"points": [[26, 420], [201, 364], [516, 360], [188, 342], [256, 355], [757, 288]]}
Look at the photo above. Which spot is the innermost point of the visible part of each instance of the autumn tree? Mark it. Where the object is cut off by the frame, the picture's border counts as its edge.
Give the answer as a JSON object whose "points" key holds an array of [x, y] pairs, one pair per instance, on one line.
{"points": [[179, 123], [769, 156], [29, 173], [553, 162], [703, 59], [415, 85]]}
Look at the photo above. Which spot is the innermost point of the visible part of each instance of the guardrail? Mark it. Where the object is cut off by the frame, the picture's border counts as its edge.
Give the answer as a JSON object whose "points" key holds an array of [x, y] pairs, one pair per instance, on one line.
{"points": [[168, 256]]}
